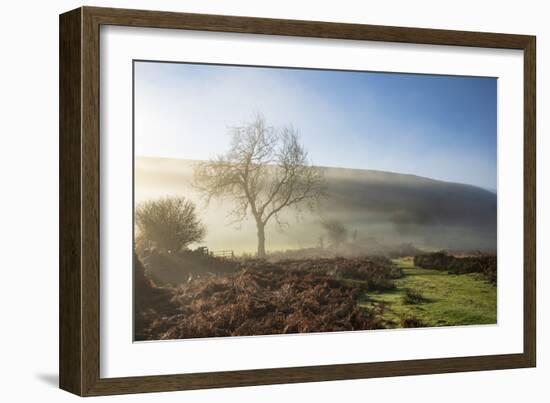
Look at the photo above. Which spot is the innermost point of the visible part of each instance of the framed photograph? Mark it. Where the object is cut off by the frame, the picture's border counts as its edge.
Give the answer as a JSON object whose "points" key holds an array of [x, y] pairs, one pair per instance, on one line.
{"points": [[248, 201]]}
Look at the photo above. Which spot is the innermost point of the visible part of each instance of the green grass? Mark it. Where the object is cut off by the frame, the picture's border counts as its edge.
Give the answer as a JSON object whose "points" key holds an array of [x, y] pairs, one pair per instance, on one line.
{"points": [[450, 300]]}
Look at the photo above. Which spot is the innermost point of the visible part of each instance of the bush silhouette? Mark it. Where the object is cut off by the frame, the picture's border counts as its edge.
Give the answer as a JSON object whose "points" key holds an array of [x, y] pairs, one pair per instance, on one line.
{"points": [[169, 224]]}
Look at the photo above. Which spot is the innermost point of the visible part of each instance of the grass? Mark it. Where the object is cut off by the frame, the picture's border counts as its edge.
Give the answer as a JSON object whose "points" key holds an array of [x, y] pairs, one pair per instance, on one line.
{"points": [[447, 299], [413, 297]]}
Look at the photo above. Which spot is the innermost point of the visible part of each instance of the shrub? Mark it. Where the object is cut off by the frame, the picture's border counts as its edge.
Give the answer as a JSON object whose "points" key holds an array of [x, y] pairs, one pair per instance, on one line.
{"points": [[437, 260], [176, 268], [486, 265], [169, 224], [413, 297], [377, 272]]}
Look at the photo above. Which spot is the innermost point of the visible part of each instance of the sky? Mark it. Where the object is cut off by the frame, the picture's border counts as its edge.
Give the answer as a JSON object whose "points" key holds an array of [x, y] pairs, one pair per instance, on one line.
{"points": [[440, 127]]}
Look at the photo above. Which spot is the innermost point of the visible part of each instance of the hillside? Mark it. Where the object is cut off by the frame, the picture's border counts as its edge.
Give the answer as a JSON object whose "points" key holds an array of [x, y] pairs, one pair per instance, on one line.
{"points": [[380, 207]]}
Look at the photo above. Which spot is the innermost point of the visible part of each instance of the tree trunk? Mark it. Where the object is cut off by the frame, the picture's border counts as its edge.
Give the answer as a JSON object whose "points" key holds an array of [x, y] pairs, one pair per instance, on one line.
{"points": [[261, 239]]}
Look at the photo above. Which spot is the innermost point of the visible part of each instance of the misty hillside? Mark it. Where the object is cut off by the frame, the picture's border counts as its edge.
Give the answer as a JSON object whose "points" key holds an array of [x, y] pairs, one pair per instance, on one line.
{"points": [[382, 207], [427, 212]]}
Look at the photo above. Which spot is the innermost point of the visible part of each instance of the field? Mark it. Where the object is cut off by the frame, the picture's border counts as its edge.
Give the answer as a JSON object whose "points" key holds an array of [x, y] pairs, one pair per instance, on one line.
{"points": [[445, 299], [239, 297]]}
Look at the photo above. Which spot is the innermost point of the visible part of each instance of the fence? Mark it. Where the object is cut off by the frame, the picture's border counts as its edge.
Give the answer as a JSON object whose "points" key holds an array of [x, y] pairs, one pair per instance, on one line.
{"points": [[228, 254]]}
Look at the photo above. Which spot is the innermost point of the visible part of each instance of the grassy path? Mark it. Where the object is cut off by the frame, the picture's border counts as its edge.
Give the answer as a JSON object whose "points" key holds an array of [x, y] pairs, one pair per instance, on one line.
{"points": [[450, 299]]}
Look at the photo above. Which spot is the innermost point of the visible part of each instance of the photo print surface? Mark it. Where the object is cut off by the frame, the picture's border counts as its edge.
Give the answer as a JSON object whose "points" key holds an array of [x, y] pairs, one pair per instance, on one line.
{"points": [[271, 200]]}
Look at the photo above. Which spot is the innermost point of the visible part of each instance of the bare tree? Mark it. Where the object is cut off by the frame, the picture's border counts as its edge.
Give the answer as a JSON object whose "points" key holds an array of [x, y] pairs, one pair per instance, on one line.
{"points": [[170, 223], [265, 171]]}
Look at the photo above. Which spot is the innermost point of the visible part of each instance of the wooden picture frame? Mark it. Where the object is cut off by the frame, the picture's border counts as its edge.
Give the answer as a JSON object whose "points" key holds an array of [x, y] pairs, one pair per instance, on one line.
{"points": [[80, 184]]}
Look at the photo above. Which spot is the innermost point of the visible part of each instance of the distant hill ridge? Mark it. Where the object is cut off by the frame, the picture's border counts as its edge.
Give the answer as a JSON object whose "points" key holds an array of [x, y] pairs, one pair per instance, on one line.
{"points": [[385, 205], [349, 171]]}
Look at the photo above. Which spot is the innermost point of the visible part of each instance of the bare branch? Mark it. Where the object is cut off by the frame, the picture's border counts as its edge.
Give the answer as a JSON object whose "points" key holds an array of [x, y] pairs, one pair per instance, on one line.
{"points": [[264, 171]]}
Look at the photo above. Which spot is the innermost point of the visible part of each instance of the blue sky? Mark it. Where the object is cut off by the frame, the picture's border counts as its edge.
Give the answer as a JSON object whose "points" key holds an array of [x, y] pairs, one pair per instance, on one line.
{"points": [[441, 127]]}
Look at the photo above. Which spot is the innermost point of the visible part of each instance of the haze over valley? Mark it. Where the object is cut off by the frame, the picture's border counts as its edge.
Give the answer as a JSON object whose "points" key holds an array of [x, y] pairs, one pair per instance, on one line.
{"points": [[376, 208]]}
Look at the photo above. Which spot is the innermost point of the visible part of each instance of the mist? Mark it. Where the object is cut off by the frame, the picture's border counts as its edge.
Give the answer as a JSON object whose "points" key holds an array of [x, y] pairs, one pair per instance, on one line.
{"points": [[378, 208]]}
